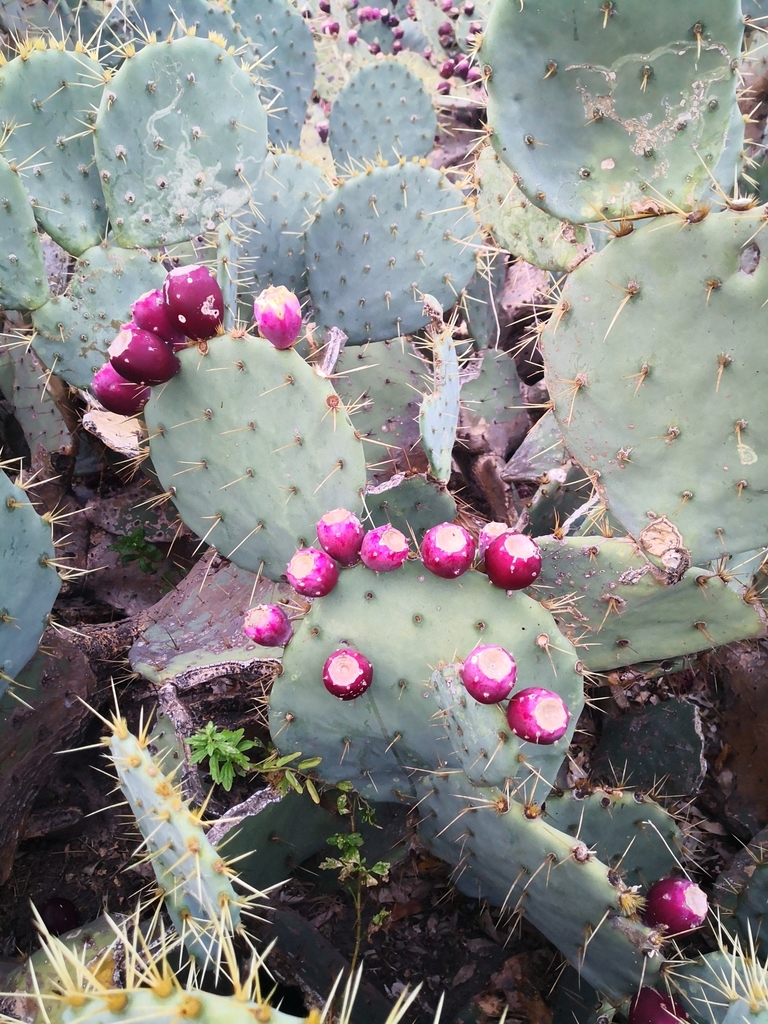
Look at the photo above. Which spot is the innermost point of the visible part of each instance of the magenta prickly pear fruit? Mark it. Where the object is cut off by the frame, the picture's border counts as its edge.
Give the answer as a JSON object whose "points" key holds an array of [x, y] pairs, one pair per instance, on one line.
{"points": [[443, 88], [340, 534], [347, 674], [677, 903], [142, 357], [652, 1007], [447, 550], [474, 75], [538, 715], [489, 674], [277, 312], [150, 313], [117, 394], [384, 549], [512, 561], [446, 69], [462, 68], [352, 37], [311, 572], [194, 300], [489, 533], [267, 625]]}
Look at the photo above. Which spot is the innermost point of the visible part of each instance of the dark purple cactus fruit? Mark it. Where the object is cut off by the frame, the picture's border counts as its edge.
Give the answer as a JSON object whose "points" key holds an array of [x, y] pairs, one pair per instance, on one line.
{"points": [[277, 312], [312, 573], [267, 625], [512, 561], [447, 550], [150, 313], [330, 28], [444, 88], [397, 46], [347, 674], [384, 549], [194, 300], [374, 48], [474, 75], [351, 37], [340, 534], [462, 69], [469, 9], [117, 394], [489, 533], [446, 69], [322, 130], [59, 915], [489, 674], [142, 357], [538, 715], [678, 904], [325, 6], [652, 1007]]}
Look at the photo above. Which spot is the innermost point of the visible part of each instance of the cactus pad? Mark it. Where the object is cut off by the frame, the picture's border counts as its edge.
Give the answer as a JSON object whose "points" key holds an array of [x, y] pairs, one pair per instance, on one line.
{"points": [[23, 279]]}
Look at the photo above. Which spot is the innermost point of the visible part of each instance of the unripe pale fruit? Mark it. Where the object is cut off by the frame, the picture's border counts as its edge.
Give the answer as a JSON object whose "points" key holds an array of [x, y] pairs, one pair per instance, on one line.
{"points": [[267, 625], [538, 715], [447, 550], [347, 674], [652, 1007], [117, 394], [277, 313], [150, 313], [142, 356], [489, 674], [677, 903], [194, 300], [384, 549], [340, 534], [311, 572], [512, 561]]}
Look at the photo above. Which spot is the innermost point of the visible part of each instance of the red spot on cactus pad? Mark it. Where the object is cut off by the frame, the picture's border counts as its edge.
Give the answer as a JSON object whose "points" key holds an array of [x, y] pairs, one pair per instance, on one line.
{"points": [[268, 625], [489, 674], [384, 549], [538, 715], [312, 572], [677, 903], [117, 394], [512, 561], [194, 301], [142, 357], [340, 534], [347, 674], [447, 550]]}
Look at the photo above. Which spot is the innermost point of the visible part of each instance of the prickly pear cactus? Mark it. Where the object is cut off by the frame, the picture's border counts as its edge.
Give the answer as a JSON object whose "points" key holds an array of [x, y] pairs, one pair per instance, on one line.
{"points": [[23, 279], [670, 431], [599, 106]]}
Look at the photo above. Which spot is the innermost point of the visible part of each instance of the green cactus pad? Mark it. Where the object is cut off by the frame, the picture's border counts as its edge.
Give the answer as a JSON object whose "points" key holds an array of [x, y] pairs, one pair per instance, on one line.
{"points": [[382, 111], [74, 330], [23, 279], [180, 141], [627, 830], [378, 242], [519, 226], [29, 582], [675, 430], [508, 853], [253, 452], [621, 607], [49, 95], [34, 405], [407, 623], [439, 410], [481, 301], [412, 504], [272, 240], [596, 105], [283, 41]]}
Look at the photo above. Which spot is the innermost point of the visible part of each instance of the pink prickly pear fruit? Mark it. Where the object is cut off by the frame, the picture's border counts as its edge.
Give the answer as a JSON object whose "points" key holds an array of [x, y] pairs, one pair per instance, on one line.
{"points": [[474, 75], [150, 313], [489, 674], [267, 625], [117, 394], [312, 572], [446, 69], [512, 561], [347, 674], [489, 533], [384, 549], [142, 357], [352, 37], [447, 550], [677, 903], [340, 534], [652, 1007], [277, 312], [538, 715], [194, 300]]}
